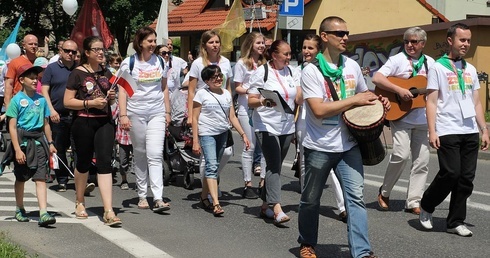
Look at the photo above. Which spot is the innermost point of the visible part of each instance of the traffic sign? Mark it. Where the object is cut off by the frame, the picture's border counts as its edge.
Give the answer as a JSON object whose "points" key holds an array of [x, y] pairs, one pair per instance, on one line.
{"points": [[292, 8]]}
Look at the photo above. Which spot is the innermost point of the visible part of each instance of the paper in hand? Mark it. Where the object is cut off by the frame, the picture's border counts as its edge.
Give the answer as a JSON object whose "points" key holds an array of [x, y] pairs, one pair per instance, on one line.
{"points": [[281, 105]]}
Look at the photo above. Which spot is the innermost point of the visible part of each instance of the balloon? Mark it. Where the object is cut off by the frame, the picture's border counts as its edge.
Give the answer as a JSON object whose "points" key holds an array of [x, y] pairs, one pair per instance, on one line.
{"points": [[12, 50], [70, 6]]}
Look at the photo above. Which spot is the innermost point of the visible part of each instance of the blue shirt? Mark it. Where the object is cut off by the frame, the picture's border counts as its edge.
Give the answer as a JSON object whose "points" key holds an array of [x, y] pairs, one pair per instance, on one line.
{"points": [[56, 76]]}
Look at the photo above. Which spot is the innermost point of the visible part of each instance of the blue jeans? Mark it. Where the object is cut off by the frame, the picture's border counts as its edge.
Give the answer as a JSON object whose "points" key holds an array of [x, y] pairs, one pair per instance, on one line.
{"points": [[62, 140], [349, 170], [212, 147]]}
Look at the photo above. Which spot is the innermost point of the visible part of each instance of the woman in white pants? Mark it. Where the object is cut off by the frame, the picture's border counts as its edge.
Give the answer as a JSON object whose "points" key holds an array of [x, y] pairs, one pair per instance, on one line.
{"points": [[311, 47], [145, 114], [252, 51]]}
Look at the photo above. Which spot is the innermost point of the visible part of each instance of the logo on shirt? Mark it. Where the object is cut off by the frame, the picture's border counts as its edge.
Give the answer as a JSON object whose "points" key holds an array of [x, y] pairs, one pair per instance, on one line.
{"points": [[24, 102]]}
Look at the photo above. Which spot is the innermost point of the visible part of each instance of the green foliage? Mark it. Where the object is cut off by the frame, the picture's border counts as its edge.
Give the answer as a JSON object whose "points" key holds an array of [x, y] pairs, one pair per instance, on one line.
{"points": [[487, 117], [10, 250], [46, 17]]}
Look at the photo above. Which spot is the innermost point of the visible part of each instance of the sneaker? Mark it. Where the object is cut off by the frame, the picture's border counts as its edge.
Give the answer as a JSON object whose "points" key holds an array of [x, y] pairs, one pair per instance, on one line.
{"points": [[143, 204], [425, 219], [343, 216], [21, 216], [460, 230], [249, 193], [307, 251], [160, 206], [124, 185], [61, 188], [89, 188], [46, 219]]}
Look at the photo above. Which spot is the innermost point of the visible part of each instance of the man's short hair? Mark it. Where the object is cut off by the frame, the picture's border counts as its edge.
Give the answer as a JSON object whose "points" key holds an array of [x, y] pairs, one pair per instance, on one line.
{"points": [[452, 30], [324, 25]]}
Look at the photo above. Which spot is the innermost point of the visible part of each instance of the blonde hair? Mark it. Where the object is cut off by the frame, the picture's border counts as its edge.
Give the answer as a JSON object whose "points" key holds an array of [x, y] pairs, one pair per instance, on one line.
{"points": [[247, 50]]}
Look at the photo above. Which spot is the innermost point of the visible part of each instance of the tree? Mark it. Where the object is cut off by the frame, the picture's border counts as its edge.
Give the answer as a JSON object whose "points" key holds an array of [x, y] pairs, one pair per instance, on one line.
{"points": [[46, 17]]}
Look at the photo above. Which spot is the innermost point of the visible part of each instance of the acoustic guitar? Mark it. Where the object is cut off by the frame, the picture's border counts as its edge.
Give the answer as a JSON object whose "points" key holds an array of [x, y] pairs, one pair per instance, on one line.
{"points": [[399, 108]]}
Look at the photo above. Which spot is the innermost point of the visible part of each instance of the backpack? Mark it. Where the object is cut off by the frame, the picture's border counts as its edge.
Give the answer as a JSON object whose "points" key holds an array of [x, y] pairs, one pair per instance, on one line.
{"points": [[131, 63], [266, 71]]}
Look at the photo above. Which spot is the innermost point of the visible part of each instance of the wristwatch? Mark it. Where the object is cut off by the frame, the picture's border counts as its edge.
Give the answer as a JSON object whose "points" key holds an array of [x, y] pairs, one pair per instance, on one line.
{"points": [[51, 142]]}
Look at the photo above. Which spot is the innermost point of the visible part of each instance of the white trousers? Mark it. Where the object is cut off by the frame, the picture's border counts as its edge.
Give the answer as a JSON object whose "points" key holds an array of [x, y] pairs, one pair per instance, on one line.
{"points": [[408, 140], [148, 135], [247, 155]]}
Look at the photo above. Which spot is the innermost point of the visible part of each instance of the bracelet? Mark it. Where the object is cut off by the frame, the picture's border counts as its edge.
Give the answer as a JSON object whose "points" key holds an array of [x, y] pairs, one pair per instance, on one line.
{"points": [[123, 116], [85, 104], [51, 142], [241, 135], [483, 128], [167, 113]]}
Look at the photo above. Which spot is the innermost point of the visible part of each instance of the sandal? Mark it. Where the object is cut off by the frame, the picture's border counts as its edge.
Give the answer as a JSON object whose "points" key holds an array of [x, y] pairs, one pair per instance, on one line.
{"points": [[80, 214], [206, 204], [21, 216], [218, 211], [143, 204], [266, 213], [280, 218], [46, 219], [160, 206], [112, 221]]}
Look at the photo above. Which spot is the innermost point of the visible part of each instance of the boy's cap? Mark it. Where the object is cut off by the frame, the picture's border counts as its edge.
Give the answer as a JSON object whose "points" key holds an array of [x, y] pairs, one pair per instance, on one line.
{"points": [[41, 61], [27, 68]]}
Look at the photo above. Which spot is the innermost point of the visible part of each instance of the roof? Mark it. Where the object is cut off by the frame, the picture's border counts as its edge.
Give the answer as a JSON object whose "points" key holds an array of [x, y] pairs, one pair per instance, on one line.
{"points": [[190, 17], [433, 10]]}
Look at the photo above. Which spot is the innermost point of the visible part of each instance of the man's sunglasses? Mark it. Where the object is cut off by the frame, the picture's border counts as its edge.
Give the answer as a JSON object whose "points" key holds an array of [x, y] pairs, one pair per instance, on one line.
{"points": [[68, 51], [338, 33]]}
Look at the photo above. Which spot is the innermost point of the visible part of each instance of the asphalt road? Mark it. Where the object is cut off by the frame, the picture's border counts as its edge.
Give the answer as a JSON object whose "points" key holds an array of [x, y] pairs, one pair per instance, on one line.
{"points": [[188, 231]]}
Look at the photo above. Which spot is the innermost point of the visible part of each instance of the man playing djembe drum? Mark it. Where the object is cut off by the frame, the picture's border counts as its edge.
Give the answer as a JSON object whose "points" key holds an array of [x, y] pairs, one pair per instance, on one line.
{"points": [[328, 144], [409, 133]]}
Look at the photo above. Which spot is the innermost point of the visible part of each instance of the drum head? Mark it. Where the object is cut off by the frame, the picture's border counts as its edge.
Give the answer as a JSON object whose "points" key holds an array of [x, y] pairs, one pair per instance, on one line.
{"points": [[365, 115]]}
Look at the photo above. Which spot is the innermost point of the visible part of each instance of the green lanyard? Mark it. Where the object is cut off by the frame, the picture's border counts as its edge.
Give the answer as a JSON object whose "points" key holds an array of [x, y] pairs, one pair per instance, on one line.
{"points": [[415, 67], [448, 63], [334, 74]]}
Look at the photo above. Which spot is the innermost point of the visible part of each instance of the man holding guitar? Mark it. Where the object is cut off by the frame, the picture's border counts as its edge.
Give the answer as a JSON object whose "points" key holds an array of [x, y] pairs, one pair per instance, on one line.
{"points": [[403, 80]]}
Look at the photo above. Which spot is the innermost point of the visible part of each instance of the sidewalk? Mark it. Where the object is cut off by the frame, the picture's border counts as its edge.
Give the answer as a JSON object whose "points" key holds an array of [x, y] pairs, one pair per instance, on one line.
{"points": [[484, 155]]}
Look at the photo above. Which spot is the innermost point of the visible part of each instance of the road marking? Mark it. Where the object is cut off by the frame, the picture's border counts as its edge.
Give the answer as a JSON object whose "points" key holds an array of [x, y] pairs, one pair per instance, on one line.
{"points": [[476, 205], [126, 240]]}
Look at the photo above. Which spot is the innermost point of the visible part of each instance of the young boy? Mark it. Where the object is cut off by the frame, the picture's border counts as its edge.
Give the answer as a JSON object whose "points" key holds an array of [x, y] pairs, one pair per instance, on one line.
{"points": [[29, 114]]}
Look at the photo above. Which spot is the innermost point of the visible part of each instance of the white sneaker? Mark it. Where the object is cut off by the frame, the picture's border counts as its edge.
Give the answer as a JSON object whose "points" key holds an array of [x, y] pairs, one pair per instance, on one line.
{"points": [[461, 230], [425, 219]]}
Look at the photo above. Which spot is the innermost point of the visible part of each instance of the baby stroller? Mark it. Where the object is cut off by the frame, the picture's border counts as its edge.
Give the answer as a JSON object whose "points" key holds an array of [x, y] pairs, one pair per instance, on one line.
{"points": [[177, 154]]}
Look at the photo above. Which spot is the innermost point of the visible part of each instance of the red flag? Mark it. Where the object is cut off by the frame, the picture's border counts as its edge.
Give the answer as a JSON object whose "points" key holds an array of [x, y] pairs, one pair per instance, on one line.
{"points": [[124, 79], [91, 22]]}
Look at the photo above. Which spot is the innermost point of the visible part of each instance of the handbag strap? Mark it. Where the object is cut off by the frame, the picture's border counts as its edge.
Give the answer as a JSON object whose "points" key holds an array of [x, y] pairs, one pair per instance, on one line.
{"points": [[335, 97], [219, 103]]}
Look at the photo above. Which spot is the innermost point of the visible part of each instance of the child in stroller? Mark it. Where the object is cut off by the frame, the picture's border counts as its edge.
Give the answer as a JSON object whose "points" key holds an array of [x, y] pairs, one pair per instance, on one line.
{"points": [[178, 156]]}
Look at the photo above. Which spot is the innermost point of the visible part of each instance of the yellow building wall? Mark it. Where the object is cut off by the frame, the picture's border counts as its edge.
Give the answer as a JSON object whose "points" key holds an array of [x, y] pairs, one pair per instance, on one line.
{"points": [[368, 15]]}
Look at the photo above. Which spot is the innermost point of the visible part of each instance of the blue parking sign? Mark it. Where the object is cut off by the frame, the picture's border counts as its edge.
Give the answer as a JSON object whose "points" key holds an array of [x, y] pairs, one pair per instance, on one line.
{"points": [[292, 8]]}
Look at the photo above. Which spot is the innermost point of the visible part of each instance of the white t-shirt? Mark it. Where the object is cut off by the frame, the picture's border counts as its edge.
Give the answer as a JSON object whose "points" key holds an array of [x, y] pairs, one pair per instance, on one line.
{"points": [[197, 67], [329, 134], [173, 75], [449, 116], [269, 119], [242, 75], [54, 59], [148, 98], [212, 120], [399, 66]]}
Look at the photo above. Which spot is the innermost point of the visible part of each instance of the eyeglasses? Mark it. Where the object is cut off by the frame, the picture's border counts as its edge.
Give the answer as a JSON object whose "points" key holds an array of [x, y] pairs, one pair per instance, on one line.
{"points": [[338, 33], [218, 76], [413, 41], [98, 49], [68, 51], [165, 53]]}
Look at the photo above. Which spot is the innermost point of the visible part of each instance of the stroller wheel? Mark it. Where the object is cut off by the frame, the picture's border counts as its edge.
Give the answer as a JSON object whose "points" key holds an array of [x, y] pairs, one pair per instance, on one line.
{"points": [[188, 180], [167, 173]]}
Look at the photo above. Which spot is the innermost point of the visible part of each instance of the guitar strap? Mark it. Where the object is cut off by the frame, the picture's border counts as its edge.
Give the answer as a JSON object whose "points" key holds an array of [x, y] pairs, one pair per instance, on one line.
{"points": [[426, 68], [335, 97]]}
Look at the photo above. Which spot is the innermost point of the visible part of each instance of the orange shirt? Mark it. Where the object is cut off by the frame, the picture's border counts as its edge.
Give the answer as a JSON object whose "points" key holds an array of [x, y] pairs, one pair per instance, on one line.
{"points": [[13, 66]]}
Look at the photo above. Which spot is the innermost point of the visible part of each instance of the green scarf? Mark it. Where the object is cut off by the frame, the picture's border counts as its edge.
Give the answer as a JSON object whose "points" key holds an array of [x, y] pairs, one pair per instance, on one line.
{"points": [[416, 67], [334, 74], [446, 62]]}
